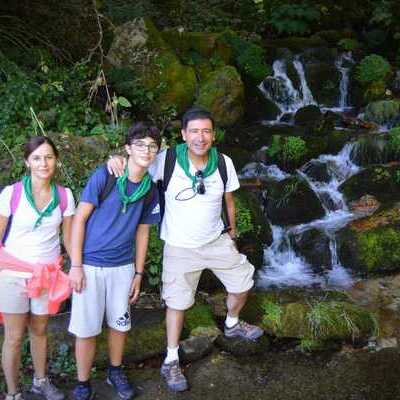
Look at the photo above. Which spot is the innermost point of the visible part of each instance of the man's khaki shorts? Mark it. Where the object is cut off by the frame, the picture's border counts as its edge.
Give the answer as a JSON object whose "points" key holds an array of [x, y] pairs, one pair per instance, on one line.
{"points": [[182, 268]]}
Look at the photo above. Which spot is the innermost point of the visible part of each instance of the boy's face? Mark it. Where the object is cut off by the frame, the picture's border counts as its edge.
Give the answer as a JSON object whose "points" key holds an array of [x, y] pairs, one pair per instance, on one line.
{"points": [[142, 151]]}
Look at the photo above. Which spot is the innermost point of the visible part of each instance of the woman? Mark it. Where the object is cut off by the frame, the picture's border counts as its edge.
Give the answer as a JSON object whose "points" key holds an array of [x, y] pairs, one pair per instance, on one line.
{"points": [[32, 217]]}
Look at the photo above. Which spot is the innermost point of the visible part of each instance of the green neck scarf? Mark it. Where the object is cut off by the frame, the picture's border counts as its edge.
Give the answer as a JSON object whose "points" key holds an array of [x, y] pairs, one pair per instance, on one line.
{"points": [[27, 184], [140, 192], [183, 160]]}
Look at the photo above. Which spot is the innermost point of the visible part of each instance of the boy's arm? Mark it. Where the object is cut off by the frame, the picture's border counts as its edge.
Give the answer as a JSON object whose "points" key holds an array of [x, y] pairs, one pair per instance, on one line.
{"points": [[141, 241], [76, 274], [231, 210]]}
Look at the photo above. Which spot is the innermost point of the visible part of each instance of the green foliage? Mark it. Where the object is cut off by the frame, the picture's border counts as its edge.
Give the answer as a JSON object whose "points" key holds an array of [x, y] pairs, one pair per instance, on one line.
{"points": [[373, 68], [348, 44], [272, 315], [63, 362], [394, 142], [249, 57], [294, 19], [382, 112], [199, 315], [154, 257], [294, 149], [244, 220]]}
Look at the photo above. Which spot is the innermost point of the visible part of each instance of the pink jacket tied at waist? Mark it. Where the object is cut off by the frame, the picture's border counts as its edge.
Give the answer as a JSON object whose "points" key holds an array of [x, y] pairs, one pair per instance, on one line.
{"points": [[48, 277]]}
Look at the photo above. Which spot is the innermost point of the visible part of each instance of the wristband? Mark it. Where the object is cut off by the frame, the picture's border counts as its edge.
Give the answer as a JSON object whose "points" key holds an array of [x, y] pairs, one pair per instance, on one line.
{"points": [[139, 273], [76, 266]]}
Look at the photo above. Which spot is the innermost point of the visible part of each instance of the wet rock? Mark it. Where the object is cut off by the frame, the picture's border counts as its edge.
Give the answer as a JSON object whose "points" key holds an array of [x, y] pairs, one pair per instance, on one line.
{"points": [[307, 115], [313, 245], [317, 171], [395, 85], [292, 202], [243, 348], [370, 149], [223, 95], [365, 206]]}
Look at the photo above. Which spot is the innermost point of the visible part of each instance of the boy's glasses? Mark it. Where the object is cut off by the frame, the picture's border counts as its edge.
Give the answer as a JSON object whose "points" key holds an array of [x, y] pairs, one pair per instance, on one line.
{"points": [[189, 193], [141, 146]]}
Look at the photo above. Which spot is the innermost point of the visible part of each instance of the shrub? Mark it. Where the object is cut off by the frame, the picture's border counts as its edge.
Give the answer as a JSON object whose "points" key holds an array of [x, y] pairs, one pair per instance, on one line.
{"points": [[294, 149], [372, 68], [349, 44], [394, 143]]}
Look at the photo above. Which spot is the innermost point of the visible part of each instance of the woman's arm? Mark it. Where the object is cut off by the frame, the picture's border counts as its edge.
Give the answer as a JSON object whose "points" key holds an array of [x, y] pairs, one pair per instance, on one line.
{"points": [[3, 227], [66, 229]]}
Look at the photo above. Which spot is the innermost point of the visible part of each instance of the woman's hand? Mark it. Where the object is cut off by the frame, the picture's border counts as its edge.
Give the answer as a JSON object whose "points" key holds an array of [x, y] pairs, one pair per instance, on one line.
{"points": [[135, 289], [116, 165], [77, 279]]}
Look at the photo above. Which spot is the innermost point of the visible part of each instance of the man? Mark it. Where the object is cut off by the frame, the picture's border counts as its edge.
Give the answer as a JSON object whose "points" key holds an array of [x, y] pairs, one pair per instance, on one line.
{"points": [[110, 231], [192, 230]]}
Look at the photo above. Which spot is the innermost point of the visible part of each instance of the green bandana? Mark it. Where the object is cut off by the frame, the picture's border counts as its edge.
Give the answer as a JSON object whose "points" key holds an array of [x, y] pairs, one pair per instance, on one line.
{"points": [[27, 183], [141, 191], [183, 160]]}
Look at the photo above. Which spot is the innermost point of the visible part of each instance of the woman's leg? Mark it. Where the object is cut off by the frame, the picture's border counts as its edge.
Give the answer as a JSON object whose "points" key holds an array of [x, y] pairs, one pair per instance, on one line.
{"points": [[38, 337], [14, 328]]}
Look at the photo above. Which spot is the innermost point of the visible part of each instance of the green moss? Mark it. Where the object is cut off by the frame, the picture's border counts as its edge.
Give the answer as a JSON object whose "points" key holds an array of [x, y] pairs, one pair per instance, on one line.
{"points": [[200, 315], [382, 112], [380, 249]]}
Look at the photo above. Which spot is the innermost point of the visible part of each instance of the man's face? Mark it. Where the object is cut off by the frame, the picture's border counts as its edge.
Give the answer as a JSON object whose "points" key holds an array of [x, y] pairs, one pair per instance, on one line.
{"points": [[199, 136], [142, 151]]}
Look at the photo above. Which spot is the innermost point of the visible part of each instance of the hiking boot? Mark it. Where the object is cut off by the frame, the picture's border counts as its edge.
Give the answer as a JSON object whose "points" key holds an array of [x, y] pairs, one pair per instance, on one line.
{"points": [[243, 330], [45, 388], [83, 392], [16, 396], [118, 380], [173, 376]]}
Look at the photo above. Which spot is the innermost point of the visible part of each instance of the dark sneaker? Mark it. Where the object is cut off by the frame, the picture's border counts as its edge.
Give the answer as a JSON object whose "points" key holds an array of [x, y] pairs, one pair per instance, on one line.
{"points": [[45, 388], [83, 392], [173, 376], [118, 380], [243, 330]]}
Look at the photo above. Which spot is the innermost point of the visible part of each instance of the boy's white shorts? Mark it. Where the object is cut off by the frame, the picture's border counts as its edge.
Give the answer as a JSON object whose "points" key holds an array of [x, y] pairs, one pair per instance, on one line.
{"points": [[107, 291]]}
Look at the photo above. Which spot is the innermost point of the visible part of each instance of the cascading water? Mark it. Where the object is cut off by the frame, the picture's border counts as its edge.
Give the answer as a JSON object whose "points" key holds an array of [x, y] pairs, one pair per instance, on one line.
{"points": [[282, 265], [307, 95], [343, 63]]}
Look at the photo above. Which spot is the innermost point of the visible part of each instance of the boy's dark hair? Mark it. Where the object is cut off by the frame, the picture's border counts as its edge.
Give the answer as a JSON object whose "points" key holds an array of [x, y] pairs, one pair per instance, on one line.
{"points": [[196, 113], [141, 130], [34, 142]]}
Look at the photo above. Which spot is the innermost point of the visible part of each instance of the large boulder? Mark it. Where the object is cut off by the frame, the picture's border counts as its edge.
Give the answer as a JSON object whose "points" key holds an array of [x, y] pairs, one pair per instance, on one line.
{"points": [[380, 181], [372, 244], [291, 202], [383, 112], [223, 95], [306, 116], [138, 45]]}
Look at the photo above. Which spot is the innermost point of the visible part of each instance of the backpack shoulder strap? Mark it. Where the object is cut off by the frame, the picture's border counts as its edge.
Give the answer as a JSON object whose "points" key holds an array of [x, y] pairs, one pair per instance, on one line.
{"points": [[150, 194], [110, 182], [15, 196], [222, 169], [170, 159], [62, 196]]}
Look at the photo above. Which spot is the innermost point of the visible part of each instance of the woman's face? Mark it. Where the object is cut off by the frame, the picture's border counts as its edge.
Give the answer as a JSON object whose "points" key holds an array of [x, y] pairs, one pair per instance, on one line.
{"points": [[42, 162]]}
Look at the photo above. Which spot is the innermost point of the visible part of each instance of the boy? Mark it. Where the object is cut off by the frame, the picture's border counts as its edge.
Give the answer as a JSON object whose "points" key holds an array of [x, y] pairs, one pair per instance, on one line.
{"points": [[110, 231]]}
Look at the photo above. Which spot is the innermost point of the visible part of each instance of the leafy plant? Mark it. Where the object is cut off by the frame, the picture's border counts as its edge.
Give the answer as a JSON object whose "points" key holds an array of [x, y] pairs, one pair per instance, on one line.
{"points": [[294, 149], [154, 258], [349, 44], [294, 19], [372, 68]]}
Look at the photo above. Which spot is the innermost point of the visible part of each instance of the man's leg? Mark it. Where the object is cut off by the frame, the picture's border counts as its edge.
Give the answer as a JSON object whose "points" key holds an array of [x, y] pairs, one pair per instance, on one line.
{"points": [[14, 328], [174, 322], [235, 302]]}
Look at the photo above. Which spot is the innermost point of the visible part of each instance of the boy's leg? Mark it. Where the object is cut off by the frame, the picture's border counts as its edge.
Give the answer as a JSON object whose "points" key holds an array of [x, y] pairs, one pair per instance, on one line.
{"points": [[85, 351], [116, 344]]}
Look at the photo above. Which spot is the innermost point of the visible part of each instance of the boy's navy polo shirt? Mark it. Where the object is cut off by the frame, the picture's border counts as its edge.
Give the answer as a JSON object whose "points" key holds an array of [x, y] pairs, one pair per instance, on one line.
{"points": [[110, 234]]}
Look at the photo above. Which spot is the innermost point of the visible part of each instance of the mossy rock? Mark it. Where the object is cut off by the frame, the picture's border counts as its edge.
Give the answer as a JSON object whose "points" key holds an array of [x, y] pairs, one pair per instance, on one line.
{"points": [[138, 45], [306, 116], [253, 229], [200, 315], [223, 95], [370, 149], [291, 202], [383, 112], [333, 36], [370, 251], [379, 181], [296, 44]]}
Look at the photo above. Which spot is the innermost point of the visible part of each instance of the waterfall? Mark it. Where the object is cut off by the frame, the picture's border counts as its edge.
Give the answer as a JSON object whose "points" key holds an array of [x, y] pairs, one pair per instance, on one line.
{"points": [[344, 81], [282, 265], [307, 95]]}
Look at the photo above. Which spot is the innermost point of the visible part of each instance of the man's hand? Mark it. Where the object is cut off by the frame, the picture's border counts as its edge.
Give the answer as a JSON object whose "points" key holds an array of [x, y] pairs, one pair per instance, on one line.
{"points": [[116, 165], [135, 289], [77, 279]]}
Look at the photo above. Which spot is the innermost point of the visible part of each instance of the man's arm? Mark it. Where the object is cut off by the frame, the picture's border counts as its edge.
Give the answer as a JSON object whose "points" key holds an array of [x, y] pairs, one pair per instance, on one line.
{"points": [[116, 165], [141, 242], [76, 274], [231, 210]]}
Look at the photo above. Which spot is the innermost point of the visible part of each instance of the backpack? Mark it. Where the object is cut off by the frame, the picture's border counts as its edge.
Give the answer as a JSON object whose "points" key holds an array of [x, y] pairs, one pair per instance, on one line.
{"points": [[16, 197], [110, 183], [170, 160]]}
